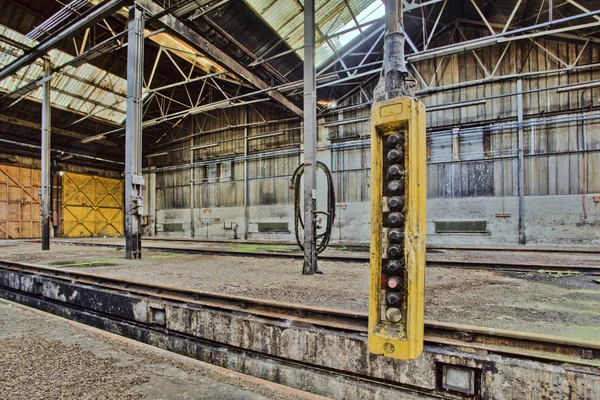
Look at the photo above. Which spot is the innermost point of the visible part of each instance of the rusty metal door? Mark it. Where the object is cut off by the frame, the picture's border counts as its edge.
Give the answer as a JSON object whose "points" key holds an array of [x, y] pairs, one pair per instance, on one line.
{"points": [[92, 206], [19, 202]]}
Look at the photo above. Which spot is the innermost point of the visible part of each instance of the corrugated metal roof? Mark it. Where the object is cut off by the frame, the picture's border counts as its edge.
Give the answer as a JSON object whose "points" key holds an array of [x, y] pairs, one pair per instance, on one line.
{"points": [[332, 16], [85, 89]]}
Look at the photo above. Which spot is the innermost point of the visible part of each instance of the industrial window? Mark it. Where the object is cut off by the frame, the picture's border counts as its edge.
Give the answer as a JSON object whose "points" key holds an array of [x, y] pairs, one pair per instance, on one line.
{"points": [[460, 226], [440, 147], [471, 144]]}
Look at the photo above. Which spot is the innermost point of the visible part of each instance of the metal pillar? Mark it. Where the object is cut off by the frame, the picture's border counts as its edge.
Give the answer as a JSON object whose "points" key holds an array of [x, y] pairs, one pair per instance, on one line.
{"points": [[192, 190], [46, 137], [520, 166], [152, 200], [246, 178], [133, 135], [310, 141]]}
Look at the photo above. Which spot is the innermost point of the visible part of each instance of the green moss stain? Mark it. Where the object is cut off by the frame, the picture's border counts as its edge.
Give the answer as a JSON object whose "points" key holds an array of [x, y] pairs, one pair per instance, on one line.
{"points": [[269, 248]]}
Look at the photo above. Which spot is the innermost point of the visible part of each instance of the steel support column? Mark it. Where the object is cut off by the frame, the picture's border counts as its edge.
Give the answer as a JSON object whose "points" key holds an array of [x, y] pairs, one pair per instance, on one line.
{"points": [[246, 177], [192, 190], [133, 135], [520, 166], [46, 137], [310, 141]]}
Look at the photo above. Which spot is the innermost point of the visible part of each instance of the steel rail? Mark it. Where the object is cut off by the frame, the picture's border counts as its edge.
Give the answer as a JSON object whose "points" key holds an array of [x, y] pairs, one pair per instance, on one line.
{"points": [[525, 345], [488, 265], [366, 246]]}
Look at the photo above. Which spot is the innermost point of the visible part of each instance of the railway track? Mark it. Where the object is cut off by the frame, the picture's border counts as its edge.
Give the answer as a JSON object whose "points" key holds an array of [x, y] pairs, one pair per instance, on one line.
{"points": [[515, 249], [294, 344], [488, 265], [264, 338]]}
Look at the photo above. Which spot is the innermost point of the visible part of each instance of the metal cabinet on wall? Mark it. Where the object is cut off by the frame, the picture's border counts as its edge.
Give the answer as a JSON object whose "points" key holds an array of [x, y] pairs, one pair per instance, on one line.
{"points": [[92, 206], [19, 202]]}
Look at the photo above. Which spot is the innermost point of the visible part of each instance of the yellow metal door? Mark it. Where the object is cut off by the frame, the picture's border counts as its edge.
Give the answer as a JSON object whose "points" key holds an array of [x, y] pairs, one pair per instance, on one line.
{"points": [[92, 206], [19, 202]]}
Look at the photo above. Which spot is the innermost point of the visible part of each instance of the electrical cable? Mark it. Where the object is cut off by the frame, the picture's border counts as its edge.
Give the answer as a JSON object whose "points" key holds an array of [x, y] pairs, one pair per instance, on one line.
{"points": [[323, 238]]}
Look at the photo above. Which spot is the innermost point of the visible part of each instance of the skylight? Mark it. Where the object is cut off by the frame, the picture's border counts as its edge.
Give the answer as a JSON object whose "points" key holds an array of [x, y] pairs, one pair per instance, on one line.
{"points": [[373, 12], [332, 16], [86, 90]]}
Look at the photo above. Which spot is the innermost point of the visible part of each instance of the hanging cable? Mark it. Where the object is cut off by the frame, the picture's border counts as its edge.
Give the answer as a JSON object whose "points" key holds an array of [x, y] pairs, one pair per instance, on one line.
{"points": [[322, 238]]}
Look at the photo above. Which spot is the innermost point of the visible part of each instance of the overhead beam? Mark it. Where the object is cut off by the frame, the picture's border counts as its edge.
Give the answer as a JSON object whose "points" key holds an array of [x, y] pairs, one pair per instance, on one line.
{"points": [[108, 7], [55, 131], [538, 30], [174, 25]]}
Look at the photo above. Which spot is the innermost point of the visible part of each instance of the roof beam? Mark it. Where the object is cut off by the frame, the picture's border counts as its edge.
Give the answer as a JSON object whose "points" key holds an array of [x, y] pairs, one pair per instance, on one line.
{"points": [[106, 8], [57, 131], [174, 25], [516, 34]]}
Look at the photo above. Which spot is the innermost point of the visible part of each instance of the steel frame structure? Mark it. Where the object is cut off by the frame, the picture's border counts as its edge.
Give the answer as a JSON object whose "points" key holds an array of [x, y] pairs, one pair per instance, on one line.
{"points": [[355, 72], [356, 75]]}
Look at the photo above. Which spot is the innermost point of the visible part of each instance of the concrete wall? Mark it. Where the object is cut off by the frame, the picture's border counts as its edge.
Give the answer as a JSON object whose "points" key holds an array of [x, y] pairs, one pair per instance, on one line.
{"points": [[549, 220]]}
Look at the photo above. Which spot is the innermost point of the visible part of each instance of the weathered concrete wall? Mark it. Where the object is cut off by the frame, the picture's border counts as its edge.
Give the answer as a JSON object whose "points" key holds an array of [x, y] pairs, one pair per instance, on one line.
{"points": [[548, 220], [292, 351]]}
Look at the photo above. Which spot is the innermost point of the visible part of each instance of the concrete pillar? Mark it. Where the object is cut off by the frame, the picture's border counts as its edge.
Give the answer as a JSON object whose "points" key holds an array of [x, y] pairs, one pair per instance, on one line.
{"points": [[134, 180], [310, 141], [46, 137]]}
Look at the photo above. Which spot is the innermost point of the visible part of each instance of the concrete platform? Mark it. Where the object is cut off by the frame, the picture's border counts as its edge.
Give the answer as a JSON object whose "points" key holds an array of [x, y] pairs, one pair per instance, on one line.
{"points": [[47, 357], [554, 304]]}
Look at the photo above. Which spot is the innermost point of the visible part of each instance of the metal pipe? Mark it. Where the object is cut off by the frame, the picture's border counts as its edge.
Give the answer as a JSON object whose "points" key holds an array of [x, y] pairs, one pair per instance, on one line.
{"points": [[467, 103], [133, 134], [246, 178], [520, 163], [501, 128], [192, 189], [229, 128], [77, 155], [310, 141], [46, 138], [280, 153]]}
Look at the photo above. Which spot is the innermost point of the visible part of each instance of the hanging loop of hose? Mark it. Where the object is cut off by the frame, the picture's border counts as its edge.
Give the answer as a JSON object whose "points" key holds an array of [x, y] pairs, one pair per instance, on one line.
{"points": [[324, 237]]}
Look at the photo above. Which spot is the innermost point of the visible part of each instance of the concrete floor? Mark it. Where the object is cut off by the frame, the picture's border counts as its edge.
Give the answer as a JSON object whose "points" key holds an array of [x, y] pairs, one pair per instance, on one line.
{"points": [[561, 305], [47, 357]]}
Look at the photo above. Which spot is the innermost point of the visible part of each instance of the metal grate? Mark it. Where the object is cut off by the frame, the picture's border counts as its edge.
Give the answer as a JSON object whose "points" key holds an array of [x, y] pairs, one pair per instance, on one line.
{"points": [[461, 227], [273, 227], [173, 227]]}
